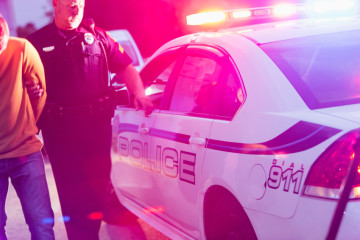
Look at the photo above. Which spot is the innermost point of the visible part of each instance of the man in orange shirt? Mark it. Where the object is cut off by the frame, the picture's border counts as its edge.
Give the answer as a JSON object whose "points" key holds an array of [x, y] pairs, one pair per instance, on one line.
{"points": [[20, 156]]}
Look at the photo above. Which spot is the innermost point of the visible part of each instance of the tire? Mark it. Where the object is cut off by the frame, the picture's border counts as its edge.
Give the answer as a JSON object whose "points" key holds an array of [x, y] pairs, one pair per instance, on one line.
{"points": [[227, 220]]}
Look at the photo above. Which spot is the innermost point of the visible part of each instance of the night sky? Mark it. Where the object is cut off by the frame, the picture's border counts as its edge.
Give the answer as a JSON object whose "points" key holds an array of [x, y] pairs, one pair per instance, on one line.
{"points": [[154, 22]]}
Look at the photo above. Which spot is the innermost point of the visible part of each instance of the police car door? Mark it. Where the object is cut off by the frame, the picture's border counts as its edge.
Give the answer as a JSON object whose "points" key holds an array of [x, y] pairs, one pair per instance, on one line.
{"points": [[133, 153], [129, 147], [180, 132]]}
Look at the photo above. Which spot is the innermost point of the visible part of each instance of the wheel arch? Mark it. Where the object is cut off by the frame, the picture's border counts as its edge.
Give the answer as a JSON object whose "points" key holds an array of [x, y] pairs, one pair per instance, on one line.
{"points": [[211, 197]]}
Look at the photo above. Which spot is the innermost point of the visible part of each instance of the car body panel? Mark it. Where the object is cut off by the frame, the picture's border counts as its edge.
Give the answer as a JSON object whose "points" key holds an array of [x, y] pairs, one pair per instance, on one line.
{"points": [[294, 29], [261, 154], [184, 182], [129, 142], [350, 112]]}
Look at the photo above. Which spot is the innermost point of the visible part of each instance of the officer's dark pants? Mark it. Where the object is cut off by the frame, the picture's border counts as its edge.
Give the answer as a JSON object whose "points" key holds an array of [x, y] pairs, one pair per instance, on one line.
{"points": [[79, 152]]}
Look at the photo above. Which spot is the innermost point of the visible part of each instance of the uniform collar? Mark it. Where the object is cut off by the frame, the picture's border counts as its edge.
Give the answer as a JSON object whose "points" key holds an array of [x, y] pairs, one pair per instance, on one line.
{"points": [[56, 31], [82, 28]]}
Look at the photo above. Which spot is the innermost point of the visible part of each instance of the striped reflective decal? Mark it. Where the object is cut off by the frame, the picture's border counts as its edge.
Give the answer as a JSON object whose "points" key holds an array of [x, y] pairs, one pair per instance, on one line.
{"points": [[177, 137], [300, 137], [126, 127]]}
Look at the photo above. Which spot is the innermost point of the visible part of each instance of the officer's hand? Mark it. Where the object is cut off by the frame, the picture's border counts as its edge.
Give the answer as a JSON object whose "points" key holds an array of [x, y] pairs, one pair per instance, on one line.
{"points": [[34, 89], [144, 103]]}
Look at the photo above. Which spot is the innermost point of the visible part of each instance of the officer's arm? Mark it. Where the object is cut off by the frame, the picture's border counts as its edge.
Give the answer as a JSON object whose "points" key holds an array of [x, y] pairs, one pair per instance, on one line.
{"points": [[133, 82], [34, 77]]}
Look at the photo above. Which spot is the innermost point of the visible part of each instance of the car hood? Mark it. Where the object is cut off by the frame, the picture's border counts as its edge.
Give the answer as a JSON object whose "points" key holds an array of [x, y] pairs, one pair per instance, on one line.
{"points": [[347, 112]]}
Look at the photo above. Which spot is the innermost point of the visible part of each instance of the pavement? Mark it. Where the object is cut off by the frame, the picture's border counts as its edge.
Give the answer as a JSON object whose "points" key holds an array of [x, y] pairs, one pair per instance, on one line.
{"points": [[17, 229]]}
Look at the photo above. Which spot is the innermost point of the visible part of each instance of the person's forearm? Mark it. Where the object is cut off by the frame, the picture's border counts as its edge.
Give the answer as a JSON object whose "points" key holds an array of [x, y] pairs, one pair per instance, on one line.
{"points": [[37, 104], [34, 79], [132, 80]]}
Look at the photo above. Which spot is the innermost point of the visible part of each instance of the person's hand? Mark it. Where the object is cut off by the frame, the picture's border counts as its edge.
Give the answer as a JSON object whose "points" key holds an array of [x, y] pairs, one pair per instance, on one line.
{"points": [[34, 89], [144, 103]]}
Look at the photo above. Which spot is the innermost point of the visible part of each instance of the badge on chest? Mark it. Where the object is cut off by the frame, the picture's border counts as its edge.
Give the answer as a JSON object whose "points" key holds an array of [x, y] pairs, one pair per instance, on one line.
{"points": [[89, 38]]}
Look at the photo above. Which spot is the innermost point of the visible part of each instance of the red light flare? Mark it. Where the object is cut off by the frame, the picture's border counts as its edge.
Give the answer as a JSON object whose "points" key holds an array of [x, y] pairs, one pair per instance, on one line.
{"points": [[95, 216], [352, 157], [151, 210]]}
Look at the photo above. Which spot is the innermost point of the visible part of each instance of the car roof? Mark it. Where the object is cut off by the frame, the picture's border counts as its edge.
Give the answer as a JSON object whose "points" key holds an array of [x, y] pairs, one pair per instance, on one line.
{"points": [[272, 32], [247, 37], [278, 31]]}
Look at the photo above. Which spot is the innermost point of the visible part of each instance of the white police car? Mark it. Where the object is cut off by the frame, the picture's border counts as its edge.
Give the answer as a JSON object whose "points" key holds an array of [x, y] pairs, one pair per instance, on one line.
{"points": [[253, 134]]}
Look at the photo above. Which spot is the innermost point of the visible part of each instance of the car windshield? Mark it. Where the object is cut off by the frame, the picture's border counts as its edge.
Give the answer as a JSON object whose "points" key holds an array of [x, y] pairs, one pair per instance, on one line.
{"points": [[324, 69]]}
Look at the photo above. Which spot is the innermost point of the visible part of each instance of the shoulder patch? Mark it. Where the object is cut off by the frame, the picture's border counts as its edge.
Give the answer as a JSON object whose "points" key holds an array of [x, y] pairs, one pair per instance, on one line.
{"points": [[121, 49]]}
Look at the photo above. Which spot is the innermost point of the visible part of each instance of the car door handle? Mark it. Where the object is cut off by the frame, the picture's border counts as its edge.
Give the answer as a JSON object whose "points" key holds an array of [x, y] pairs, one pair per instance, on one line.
{"points": [[197, 141], [143, 130]]}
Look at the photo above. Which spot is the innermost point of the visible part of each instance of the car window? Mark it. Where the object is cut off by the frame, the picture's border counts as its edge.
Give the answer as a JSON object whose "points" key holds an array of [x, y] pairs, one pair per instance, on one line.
{"points": [[324, 69], [230, 96], [157, 73], [206, 87], [129, 49], [195, 85]]}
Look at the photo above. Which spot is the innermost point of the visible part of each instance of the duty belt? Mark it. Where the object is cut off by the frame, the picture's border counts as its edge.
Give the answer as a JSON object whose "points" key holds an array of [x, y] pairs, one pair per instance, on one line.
{"points": [[101, 106]]}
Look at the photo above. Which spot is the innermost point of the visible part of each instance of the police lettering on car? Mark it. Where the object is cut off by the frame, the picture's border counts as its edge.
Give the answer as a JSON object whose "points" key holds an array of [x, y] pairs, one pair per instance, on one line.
{"points": [[256, 132]]}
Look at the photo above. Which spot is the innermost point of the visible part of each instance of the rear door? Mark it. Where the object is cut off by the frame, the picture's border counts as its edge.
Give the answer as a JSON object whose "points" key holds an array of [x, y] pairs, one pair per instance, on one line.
{"points": [[180, 133]]}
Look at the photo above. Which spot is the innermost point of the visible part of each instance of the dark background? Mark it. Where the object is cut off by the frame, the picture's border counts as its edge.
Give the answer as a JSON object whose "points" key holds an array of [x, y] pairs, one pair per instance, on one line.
{"points": [[151, 22], [154, 22]]}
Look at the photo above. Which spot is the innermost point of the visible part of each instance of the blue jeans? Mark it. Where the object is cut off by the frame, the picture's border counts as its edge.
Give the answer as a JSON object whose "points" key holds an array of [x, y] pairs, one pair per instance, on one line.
{"points": [[27, 175]]}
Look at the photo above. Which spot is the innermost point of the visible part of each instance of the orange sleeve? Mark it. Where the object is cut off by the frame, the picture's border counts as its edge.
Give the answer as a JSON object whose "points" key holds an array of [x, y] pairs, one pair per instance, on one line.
{"points": [[33, 70]]}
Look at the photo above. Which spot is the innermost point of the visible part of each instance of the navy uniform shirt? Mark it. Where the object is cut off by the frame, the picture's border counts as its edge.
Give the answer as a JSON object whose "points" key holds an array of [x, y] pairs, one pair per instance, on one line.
{"points": [[75, 64]]}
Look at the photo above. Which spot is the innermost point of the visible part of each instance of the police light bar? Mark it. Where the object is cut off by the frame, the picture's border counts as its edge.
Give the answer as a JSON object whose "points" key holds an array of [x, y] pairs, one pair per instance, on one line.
{"points": [[319, 8], [206, 17]]}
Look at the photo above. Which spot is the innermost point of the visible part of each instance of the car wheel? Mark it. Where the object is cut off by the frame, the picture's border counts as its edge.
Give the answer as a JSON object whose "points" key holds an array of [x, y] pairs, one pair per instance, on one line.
{"points": [[228, 220]]}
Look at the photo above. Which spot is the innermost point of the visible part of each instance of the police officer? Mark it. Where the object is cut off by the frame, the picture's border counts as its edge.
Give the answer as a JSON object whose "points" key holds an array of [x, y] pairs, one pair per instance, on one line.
{"points": [[76, 123]]}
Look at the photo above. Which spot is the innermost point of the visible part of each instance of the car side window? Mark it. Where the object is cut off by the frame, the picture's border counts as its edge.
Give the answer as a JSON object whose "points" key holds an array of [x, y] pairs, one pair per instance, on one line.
{"points": [[205, 87], [156, 75], [194, 85], [230, 96]]}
